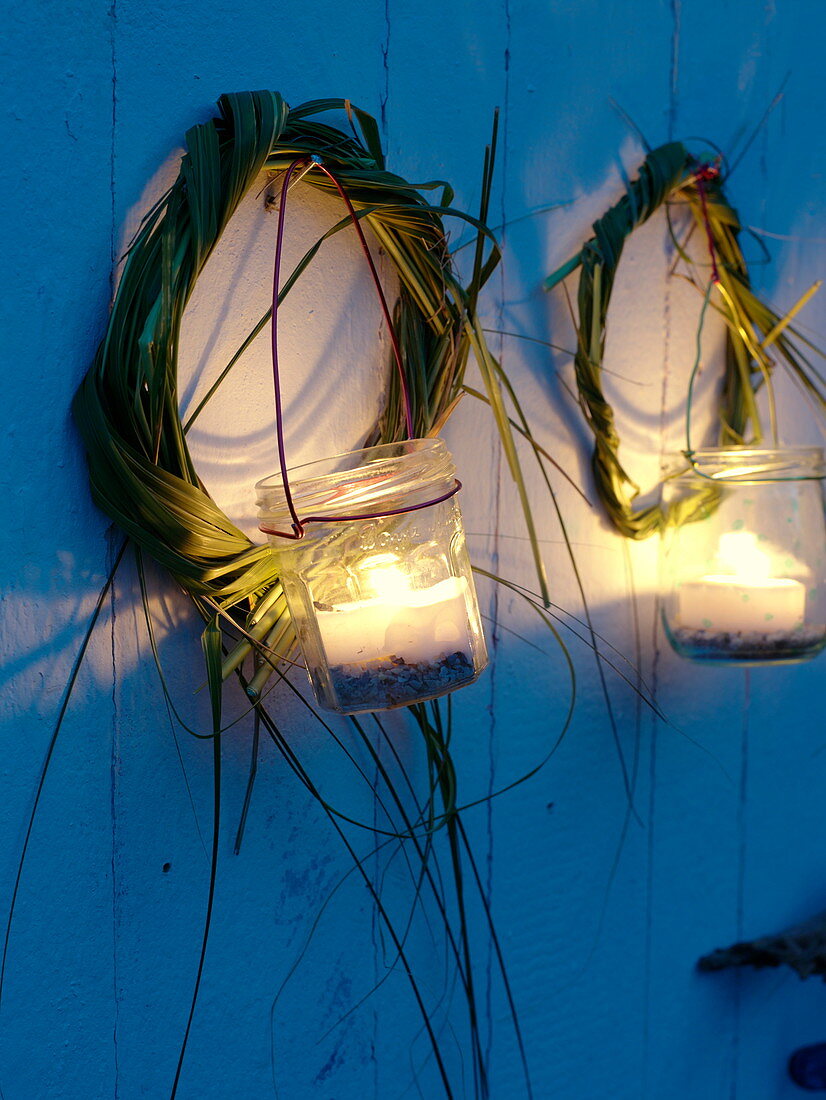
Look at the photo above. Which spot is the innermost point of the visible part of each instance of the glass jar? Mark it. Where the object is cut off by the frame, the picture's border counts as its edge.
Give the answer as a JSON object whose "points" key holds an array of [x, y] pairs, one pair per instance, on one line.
{"points": [[384, 609], [744, 556]]}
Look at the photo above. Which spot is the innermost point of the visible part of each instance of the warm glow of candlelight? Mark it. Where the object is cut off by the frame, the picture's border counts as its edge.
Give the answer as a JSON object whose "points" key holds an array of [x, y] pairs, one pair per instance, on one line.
{"points": [[738, 551], [747, 598], [382, 575], [415, 624]]}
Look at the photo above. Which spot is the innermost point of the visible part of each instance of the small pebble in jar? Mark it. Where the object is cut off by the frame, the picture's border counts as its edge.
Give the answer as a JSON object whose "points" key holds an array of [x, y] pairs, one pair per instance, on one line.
{"points": [[748, 644], [393, 682]]}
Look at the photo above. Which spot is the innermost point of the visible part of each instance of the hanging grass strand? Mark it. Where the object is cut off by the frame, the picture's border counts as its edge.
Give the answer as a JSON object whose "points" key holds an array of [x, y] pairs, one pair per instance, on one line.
{"points": [[143, 477]]}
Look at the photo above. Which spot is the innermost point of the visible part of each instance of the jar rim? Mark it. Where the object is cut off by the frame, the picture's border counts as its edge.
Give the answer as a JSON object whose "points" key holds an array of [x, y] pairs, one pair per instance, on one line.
{"points": [[749, 451], [363, 480], [757, 464], [355, 459]]}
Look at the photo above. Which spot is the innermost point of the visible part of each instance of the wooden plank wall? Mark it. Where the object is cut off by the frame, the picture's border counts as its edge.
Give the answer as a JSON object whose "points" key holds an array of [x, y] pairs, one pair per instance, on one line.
{"points": [[601, 913]]}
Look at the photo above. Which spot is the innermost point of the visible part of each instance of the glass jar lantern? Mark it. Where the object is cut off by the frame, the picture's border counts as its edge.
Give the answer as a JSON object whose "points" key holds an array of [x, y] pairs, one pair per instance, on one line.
{"points": [[384, 608], [744, 556]]}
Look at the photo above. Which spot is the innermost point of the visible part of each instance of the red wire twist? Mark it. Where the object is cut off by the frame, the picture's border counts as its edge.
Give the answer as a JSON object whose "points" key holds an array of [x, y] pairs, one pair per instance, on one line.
{"points": [[705, 173]]}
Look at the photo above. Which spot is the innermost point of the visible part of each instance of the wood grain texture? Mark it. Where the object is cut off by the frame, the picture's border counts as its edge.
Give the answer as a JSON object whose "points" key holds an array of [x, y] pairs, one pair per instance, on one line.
{"points": [[602, 915]]}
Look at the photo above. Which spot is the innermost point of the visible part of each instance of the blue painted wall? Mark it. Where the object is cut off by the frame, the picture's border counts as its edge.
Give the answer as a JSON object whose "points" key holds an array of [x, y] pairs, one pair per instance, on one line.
{"points": [[601, 915]]}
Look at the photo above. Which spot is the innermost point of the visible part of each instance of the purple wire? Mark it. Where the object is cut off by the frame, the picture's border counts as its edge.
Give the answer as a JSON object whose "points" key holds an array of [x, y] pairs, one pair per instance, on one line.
{"points": [[298, 524], [279, 426], [397, 351], [457, 485]]}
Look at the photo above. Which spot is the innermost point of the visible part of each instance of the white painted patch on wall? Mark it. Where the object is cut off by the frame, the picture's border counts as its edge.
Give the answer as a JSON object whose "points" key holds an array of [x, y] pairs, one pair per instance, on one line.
{"points": [[333, 349]]}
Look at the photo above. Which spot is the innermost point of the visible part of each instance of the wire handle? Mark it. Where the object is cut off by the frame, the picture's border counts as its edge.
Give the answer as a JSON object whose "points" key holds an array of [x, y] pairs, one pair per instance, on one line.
{"points": [[457, 485], [304, 165]]}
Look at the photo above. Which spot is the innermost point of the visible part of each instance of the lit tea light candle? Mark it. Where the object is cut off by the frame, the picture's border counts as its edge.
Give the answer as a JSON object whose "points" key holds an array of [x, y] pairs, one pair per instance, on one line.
{"points": [[400, 621], [378, 586], [735, 605], [747, 598]]}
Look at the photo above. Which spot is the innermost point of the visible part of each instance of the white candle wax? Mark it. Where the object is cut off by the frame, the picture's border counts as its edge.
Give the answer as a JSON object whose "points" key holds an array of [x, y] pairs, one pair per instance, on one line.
{"points": [[417, 625], [733, 603]]}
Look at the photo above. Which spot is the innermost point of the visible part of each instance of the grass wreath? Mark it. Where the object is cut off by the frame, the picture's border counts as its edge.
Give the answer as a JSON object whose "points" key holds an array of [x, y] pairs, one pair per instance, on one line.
{"points": [[670, 175], [126, 408]]}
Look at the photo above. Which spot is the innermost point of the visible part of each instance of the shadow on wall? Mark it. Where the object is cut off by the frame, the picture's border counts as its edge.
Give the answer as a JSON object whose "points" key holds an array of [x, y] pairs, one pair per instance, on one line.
{"points": [[121, 845], [332, 364]]}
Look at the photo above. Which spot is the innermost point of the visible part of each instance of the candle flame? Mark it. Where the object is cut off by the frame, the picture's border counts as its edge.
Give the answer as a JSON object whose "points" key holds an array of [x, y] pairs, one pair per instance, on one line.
{"points": [[739, 552], [384, 578]]}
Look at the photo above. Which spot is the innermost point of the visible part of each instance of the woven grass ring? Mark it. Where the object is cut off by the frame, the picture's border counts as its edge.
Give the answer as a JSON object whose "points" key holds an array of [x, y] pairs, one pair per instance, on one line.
{"points": [[668, 175], [126, 408]]}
